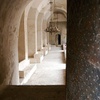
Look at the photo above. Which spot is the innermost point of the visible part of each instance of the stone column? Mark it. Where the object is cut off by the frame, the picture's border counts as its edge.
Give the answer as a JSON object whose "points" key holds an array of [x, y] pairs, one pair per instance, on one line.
{"points": [[32, 31], [26, 35], [49, 47], [83, 70], [21, 40], [39, 31], [44, 26], [45, 46], [37, 41]]}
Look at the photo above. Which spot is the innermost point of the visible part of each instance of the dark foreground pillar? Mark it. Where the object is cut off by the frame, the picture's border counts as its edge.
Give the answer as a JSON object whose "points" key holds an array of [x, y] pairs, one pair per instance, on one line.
{"points": [[83, 71]]}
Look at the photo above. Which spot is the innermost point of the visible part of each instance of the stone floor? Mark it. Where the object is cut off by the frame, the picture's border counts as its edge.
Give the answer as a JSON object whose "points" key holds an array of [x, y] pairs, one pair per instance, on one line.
{"points": [[51, 71]]}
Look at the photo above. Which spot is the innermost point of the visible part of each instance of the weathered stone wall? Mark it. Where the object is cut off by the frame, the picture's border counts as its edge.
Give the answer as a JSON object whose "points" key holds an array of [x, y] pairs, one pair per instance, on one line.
{"points": [[10, 15], [83, 65]]}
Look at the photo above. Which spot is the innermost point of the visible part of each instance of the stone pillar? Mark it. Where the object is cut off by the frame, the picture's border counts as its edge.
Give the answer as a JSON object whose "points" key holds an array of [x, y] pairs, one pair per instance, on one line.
{"points": [[45, 46], [83, 70], [49, 46], [26, 35], [32, 31], [21, 40], [38, 57], [38, 41], [44, 26], [39, 31], [47, 38], [34, 55]]}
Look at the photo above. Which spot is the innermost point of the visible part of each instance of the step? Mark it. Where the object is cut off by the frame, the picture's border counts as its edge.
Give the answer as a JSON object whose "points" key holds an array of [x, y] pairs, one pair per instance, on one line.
{"points": [[27, 73], [23, 64]]}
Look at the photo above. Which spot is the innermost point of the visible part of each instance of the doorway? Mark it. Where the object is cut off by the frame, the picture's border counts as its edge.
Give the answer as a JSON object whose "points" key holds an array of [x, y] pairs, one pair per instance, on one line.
{"points": [[59, 39]]}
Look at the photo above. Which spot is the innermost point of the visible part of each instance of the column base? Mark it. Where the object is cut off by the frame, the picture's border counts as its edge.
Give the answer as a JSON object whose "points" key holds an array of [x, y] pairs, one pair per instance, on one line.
{"points": [[45, 51], [22, 65], [37, 58], [27, 73]]}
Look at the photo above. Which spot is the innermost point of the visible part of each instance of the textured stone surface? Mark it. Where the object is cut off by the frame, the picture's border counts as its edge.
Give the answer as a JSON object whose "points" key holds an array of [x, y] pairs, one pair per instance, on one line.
{"points": [[10, 14], [83, 71]]}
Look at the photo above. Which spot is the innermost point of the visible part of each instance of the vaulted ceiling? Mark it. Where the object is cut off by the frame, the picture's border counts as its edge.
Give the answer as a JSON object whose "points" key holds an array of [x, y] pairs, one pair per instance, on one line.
{"points": [[44, 6]]}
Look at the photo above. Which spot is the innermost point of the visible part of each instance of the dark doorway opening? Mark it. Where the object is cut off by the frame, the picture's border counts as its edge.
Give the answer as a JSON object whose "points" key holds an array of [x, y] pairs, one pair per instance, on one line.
{"points": [[59, 39]]}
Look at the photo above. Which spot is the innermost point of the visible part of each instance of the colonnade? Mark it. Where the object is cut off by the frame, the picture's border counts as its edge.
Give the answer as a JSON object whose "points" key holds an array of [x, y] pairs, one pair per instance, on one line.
{"points": [[22, 36]]}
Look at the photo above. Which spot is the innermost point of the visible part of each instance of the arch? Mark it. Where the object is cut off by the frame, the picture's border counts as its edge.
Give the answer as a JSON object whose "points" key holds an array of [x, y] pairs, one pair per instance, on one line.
{"points": [[61, 10], [40, 32], [32, 23]]}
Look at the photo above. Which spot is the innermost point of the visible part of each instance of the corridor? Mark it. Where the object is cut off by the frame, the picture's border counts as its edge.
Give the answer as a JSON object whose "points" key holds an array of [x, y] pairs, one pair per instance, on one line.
{"points": [[51, 71]]}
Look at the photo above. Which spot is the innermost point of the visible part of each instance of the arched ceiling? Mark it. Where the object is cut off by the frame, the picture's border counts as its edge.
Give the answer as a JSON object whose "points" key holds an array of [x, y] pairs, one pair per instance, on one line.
{"points": [[61, 3], [59, 8], [40, 4], [43, 6]]}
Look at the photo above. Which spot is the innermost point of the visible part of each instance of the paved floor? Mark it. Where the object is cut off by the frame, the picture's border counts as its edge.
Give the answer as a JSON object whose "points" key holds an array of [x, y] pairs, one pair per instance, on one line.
{"points": [[51, 71]]}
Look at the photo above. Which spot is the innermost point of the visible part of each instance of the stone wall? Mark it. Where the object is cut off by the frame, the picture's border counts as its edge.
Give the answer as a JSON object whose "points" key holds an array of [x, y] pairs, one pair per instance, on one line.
{"points": [[83, 65], [63, 31], [10, 15]]}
